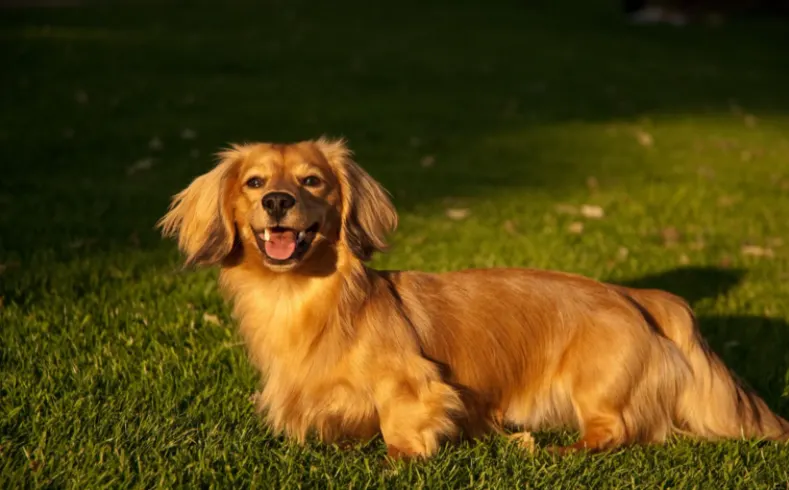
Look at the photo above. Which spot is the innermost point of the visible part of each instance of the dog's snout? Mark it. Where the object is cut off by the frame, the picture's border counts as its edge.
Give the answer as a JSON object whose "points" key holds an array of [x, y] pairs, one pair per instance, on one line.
{"points": [[277, 204]]}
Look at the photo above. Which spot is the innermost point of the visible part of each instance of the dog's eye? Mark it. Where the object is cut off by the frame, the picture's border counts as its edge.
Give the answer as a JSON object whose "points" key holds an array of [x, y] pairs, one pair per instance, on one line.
{"points": [[311, 181], [255, 183]]}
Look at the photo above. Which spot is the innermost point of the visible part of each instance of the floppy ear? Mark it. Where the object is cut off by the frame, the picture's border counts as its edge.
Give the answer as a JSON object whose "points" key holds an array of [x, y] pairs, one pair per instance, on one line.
{"points": [[368, 215], [200, 216]]}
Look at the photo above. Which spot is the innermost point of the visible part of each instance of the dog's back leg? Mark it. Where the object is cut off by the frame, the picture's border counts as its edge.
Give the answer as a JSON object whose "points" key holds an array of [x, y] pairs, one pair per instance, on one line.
{"points": [[623, 384]]}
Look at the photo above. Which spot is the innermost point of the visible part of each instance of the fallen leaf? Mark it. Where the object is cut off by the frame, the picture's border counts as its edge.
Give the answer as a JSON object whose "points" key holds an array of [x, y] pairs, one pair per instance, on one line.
{"points": [[210, 318], [509, 227], [714, 19], [511, 106], [734, 107], [726, 201], [80, 242], [756, 251], [592, 211], [644, 139], [357, 64], [576, 227], [427, 161], [698, 244], [81, 97], [155, 143], [188, 134], [139, 165], [9, 265], [566, 209], [706, 172], [670, 236], [724, 143], [458, 214]]}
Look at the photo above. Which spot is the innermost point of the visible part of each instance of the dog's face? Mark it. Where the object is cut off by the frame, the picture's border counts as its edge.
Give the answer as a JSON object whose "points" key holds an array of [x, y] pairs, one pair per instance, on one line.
{"points": [[287, 201], [284, 205]]}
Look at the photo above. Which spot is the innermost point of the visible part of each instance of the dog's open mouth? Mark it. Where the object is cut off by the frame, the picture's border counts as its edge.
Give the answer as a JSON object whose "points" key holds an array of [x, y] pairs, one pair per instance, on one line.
{"points": [[282, 245]]}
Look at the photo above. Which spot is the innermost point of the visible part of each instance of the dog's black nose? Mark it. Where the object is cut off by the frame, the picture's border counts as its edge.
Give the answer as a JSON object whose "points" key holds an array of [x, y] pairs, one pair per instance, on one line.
{"points": [[277, 204]]}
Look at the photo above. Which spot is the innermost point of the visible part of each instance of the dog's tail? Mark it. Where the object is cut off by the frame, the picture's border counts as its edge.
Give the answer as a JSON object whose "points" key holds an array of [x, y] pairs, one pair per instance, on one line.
{"points": [[713, 404]]}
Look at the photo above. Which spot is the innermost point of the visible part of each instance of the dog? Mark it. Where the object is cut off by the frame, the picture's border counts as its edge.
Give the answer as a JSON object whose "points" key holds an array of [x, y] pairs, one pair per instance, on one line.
{"points": [[347, 352]]}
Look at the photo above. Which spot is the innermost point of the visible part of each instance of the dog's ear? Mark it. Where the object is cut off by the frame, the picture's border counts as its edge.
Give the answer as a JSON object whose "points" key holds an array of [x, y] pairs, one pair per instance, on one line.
{"points": [[368, 215], [200, 216]]}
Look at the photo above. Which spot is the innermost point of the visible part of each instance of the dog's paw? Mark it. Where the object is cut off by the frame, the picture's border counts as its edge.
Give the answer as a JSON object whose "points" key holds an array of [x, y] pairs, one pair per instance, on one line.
{"points": [[395, 457], [524, 440], [398, 454]]}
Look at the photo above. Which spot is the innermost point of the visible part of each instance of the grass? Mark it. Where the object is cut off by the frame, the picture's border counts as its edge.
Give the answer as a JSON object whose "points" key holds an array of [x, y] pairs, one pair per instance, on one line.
{"points": [[118, 369]]}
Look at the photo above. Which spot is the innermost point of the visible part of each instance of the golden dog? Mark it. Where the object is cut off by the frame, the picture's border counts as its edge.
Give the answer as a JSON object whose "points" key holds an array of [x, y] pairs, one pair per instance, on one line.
{"points": [[347, 352]]}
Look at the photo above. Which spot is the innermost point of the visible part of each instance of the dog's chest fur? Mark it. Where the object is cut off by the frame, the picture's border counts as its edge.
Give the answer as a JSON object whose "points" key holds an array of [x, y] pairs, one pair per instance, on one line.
{"points": [[294, 335]]}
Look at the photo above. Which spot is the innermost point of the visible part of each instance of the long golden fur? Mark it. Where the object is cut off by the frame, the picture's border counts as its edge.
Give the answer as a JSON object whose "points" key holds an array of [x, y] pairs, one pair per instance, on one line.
{"points": [[347, 352]]}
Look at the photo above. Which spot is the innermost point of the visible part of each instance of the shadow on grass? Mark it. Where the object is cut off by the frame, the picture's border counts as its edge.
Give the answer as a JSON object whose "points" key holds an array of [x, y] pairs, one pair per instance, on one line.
{"points": [[756, 348], [400, 82]]}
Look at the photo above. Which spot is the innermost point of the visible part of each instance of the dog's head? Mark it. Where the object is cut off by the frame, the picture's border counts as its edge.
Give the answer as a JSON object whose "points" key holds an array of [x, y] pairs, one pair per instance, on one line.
{"points": [[284, 205]]}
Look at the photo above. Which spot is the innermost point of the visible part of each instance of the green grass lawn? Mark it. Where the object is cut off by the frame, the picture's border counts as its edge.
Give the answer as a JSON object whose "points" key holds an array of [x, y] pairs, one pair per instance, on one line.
{"points": [[119, 369]]}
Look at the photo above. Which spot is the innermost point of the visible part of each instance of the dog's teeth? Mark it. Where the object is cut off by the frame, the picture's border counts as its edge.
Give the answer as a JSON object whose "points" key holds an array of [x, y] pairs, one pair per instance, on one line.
{"points": [[301, 236], [266, 234]]}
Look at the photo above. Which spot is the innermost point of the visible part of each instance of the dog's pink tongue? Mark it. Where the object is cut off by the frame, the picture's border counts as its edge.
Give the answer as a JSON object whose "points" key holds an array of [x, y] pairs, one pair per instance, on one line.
{"points": [[281, 245]]}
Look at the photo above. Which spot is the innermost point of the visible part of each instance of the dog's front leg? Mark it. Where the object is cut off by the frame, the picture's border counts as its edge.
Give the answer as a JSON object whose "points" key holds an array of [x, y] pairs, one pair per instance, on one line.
{"points": [[416, 411]]}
